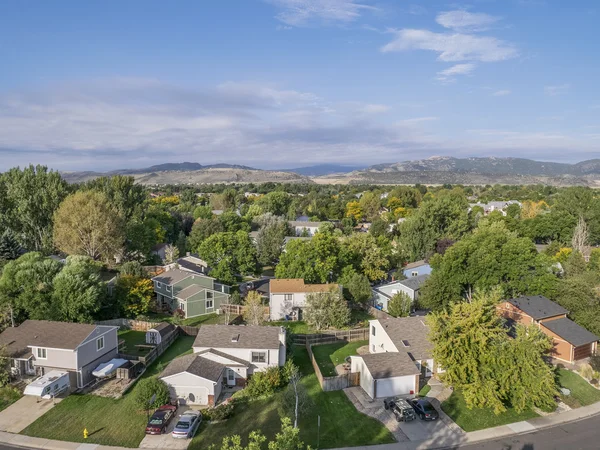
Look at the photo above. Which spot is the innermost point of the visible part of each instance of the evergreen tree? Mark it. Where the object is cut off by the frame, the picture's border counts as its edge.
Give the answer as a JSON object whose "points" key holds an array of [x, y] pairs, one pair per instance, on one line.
{"points": [[9, 246]]}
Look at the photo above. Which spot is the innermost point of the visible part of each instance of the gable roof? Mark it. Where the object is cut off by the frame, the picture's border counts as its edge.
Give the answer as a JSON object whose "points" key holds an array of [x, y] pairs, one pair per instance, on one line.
{"points": [[46, 333], [291, 285], [172, 276], [193, 264], [390, 364], [196, 365], [238, 336], [238, 361], [415, 264], [413, 330], [189, 291], [414, 283], [303, 224], [570, 331], [163, 328], [538, 306]]}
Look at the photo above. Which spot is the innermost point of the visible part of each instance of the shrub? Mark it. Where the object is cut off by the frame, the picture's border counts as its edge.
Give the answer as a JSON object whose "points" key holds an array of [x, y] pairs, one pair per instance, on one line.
{"points": [[148, 387], [586, 371], [594, 382], [263, 384], [595, 362], [221, 412], [178, 316]]}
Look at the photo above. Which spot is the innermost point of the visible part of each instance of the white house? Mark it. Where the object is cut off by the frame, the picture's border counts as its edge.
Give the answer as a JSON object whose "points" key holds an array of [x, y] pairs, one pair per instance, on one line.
{"points": [[287, 297], [305, 228], [411, 286], [400, 353], [223, 355], [416, 268], [490, 207]]}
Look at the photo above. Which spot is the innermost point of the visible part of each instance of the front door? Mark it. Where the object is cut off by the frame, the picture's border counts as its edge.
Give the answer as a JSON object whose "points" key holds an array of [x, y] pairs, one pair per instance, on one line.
{"points": [[230, 377]]}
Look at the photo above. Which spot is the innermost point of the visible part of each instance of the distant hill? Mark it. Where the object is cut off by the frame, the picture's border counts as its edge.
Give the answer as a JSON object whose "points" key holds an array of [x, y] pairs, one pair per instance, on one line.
{"points": [[323, 169]]}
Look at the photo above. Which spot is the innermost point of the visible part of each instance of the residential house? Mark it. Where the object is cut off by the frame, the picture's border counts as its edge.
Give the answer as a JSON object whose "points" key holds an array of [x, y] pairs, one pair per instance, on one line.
{"points": [[38, 346], [399, 354], [190, 263], [490, 207], [571, 342], [262, 286], [224, 355], [416, 268], [287, 297], [411, 286], [193, 293], [303, 228]]}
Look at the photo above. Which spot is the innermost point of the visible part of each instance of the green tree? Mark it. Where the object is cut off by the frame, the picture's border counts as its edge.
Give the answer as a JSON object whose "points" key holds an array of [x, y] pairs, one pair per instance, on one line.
{"points": [[133, 268], [86, 224], [254, 311], [28, 200], [357, 285], [369, 204], [126, 197], [202, 212], [276, 202], [133, 295], [575, 264], [78, 290], [229, 254], [26, 286], [148, 388], [326, 310], [202, 230], [270, 241], [9, 246], [399, 305], [579, 295], [141, 236], [366, 255]]}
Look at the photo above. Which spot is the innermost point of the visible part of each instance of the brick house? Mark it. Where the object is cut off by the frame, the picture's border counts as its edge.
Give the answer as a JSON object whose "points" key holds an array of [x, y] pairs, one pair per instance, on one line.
{"points": [[571, 341]]}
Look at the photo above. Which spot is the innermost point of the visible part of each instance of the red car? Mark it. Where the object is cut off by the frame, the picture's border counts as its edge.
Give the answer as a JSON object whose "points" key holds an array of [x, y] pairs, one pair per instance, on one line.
{"points": [[160, 419]]}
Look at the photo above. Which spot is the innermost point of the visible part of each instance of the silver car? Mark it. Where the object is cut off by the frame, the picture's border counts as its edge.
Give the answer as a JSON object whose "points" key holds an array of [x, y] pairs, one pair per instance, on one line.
{"points": [[187, 425]]}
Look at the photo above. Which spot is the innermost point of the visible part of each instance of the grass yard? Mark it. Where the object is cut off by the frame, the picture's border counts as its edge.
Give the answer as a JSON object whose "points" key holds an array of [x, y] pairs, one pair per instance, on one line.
{"points": [[133, 338], [8, 395], [330, 355], [294, 326], [108, 421], [424, 390], [208, 319], [341, 424], [582, 393], [480, 418]]}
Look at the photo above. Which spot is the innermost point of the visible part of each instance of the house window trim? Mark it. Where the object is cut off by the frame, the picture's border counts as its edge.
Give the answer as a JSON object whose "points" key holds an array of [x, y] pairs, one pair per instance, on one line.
{"points": [[258, 353], [212, 303], [158, 285], [373, 330], [288, 297], [414, 273], [37, 353], [168, 288], [99, 341]]}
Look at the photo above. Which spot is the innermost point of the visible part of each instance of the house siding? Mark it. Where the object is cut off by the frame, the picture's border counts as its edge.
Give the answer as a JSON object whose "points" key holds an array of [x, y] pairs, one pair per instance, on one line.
{"points": [[87, 352], [186, 386], [273, 356], [561, 349], [60, 359], [192, 280], [196, 304], [381, 342], [421, 270], [280, 308]]}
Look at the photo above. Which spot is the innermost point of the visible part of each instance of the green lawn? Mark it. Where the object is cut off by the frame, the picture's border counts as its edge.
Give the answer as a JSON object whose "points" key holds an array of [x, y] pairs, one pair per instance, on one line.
{"points": [[341, 424], [108, 421], [480, 418], [424, 390], [208, 319], [133, 338], [330, 355], [582, 393], [294, 326], [8, 395]]}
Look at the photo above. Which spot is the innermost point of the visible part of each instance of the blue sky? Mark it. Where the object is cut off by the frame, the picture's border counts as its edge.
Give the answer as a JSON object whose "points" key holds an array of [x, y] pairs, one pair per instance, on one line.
{"points": [[285, 83]]}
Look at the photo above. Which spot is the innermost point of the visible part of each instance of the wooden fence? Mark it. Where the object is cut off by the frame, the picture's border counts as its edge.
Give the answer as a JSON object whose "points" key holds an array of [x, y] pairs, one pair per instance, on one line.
{"points": [[130, 324], [160, 348], [336, 383], [238, 310], [330, 337]]}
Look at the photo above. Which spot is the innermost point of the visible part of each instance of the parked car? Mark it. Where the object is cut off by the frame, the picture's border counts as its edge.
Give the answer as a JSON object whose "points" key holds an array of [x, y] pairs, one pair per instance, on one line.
{"points": [[187, 425], [403, 410], [160, 419], [424, 409]]}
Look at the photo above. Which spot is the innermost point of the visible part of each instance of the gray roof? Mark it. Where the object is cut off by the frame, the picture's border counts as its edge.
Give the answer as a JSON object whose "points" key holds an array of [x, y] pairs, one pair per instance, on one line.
{"points": [[570, 331], [238, 336], [45, 333], [193, 289], [414, 283], [390, 364], [196, 365], [192, 263], [303, 224], [239, 361], [414, 330], [172, 276], [538, 306], [415, 264], [163, 328]]}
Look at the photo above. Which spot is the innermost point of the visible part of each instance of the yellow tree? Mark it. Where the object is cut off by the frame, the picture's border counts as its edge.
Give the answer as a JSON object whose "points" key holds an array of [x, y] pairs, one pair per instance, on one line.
{"points": [[353, 209]]}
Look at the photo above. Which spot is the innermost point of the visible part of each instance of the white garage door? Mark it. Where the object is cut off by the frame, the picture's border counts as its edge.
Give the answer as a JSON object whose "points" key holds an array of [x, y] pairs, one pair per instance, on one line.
{"points": [[193, 395], [389, 387]]}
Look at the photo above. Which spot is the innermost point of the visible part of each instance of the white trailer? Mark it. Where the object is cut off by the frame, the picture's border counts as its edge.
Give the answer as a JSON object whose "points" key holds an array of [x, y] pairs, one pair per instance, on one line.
{"points": [[50, 385]]}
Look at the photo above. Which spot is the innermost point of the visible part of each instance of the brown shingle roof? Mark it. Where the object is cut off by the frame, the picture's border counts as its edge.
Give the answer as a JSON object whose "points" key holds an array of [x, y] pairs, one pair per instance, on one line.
{"points": [[196, 365], [390, 364], [414, 330], [172, 276], [44, 333], [412, 265], [163, 328], [238, 336], [291, 285]]}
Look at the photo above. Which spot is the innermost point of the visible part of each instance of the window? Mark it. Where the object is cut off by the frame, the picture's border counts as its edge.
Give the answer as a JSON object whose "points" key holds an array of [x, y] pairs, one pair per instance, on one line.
{"points": [[41, 353], [209, 294], [100, 343], [259, 357], [373, 330], [168, 288], [158, 285], [209, 304], [414, 273], [288, 297], [231, 375], [373, 348]]}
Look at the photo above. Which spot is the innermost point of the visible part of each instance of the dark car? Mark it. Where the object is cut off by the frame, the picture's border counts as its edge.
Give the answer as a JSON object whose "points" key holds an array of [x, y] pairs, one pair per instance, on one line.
{"points": [[424, 409], [401, 409], [160, 419]]}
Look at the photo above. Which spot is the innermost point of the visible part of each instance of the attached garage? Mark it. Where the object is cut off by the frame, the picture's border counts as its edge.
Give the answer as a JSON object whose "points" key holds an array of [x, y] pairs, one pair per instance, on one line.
{"points": [[571, 342], [386, 374], [188, 395]]}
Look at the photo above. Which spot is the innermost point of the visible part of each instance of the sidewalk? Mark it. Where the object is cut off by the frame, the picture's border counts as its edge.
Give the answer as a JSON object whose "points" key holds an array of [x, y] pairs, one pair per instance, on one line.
{"points": [[49, 444]]}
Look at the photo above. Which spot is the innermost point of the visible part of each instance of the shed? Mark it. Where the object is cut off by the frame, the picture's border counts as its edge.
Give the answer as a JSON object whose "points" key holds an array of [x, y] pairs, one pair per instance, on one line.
{"points": [[156, 334]]}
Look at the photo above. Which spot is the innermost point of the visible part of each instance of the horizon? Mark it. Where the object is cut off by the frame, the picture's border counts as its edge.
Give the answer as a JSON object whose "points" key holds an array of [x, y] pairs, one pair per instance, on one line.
{"points": [[284, 84]]}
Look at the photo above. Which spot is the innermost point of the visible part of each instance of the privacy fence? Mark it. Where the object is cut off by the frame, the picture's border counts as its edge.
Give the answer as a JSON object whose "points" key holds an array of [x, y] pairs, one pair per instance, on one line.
{"points": [[330, 337], [335, 383]]}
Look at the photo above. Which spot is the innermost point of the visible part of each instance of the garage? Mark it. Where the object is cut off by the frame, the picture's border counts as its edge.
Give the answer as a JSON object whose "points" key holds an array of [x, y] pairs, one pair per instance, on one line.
{"points": [[189, 395], [386, 374]]}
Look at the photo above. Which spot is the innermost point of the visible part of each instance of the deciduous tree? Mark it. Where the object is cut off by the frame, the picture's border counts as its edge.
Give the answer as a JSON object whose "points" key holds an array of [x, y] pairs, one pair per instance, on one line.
{"points": [[399, 305], [229, 254], [326, 310], [254, 310]]}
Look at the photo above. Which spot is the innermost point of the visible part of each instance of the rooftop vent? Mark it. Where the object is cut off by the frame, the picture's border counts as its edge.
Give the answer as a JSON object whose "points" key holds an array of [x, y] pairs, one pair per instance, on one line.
{"points": [[405, 343], [235, 338]]}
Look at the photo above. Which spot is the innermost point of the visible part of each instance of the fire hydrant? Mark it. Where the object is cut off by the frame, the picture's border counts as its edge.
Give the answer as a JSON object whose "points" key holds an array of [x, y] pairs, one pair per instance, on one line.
{"points": [[85, 433]]}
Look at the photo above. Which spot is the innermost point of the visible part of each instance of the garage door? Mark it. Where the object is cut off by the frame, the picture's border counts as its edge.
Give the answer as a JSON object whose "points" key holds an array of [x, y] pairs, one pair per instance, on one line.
{"points": [[193, 395], [583, 351], [389, 387]]}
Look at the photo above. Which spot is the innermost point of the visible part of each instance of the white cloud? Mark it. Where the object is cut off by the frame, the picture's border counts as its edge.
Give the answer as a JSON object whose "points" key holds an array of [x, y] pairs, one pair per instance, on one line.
{"points": [[465, 21], [501, 93], [449, 74], [452, 47], [557, 89], [304, 12]]}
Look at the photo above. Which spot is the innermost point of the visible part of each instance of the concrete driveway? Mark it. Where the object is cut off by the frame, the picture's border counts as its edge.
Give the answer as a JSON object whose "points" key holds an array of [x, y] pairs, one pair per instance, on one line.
{"points": [[165, 440], [24, 412], [420, 430]]}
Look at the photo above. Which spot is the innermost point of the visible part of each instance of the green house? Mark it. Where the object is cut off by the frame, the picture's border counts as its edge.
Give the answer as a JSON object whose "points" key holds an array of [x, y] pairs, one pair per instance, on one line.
{"points": [[195, 294]]}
